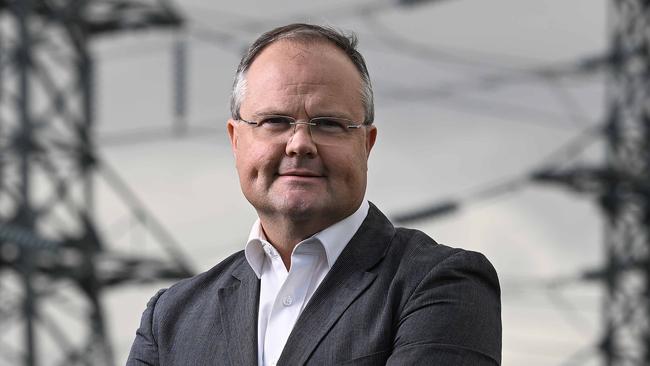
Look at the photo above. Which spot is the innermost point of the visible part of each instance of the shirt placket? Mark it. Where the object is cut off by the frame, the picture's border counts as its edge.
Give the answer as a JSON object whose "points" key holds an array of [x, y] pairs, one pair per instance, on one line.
{"points": [[288, 302]]}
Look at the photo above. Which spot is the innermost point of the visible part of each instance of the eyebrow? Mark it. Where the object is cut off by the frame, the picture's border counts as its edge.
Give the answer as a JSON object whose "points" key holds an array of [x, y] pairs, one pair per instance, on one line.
{"points": [[270, 112], [273, 112]]}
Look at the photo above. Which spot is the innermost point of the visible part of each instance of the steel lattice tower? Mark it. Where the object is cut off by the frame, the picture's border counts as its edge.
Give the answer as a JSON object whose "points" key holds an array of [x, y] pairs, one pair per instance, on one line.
{"points": [[622, 185], [50, 242], [626, 194]]}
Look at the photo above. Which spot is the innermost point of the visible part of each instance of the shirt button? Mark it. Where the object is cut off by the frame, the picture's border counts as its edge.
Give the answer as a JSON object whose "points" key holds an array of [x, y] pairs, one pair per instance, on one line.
{"points": [[287, 300]]}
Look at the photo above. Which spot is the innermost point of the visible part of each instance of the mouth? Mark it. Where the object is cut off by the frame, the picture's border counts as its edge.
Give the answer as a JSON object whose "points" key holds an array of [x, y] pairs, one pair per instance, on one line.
{"points": [[301, 174]]}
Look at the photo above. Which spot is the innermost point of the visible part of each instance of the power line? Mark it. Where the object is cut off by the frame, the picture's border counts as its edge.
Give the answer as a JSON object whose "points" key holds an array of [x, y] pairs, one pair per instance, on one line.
{"points": [[52, 86], [251, 25], [549, 74], [254, 25], [572, 315], [491, 82], [139, 50], [209, 34], [620, 186], [561, 154], [546, 73], [157, 134], [437, 54], [575, 112], [580, 357], [478, 106]]}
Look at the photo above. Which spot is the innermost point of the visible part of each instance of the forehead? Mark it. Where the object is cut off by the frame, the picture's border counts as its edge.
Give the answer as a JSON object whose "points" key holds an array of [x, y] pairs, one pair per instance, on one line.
{"points": [[291, 74]]}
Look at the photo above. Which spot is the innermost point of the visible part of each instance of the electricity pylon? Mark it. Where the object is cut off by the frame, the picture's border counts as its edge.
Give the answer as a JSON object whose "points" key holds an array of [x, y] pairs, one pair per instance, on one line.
{"points": [[54, 261], [622, 186]]}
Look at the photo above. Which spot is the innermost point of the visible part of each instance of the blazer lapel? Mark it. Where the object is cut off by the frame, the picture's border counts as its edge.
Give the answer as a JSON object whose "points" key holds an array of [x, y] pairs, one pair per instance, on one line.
{"points": [[238, 310], [344, 283]]}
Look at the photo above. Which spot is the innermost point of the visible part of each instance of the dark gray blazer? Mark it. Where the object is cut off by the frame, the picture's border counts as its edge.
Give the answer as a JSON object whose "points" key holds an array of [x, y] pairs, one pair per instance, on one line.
{"points": [[394, 296]]}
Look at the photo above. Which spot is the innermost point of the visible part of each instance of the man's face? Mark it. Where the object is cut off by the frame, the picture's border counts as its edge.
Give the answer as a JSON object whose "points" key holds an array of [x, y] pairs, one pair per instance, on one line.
{"points": [[296, 178]]}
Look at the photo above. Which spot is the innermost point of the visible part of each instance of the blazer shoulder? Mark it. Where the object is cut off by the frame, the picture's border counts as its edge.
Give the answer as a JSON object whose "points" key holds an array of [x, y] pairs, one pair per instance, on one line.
{"points": [[419, 252], [187, 307], [411, 243], [189, 290], [449, 303]]}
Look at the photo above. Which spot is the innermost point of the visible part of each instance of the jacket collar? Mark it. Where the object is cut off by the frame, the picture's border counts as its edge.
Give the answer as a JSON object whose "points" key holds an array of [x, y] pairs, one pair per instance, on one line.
{"points": [[238, 303], [333, 239], [344, 283]]}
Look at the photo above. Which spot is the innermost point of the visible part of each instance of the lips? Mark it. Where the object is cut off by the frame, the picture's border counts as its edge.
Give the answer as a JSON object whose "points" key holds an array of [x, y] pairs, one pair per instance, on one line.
{"points": [[300, 173]]}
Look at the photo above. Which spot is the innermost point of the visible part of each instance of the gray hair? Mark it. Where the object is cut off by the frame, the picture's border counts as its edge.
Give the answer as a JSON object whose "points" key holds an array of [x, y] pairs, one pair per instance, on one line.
{"points": [[304, 32]]}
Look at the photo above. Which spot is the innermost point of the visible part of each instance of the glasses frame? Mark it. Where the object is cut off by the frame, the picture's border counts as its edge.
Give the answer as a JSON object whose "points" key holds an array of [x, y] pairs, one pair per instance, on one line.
{"points": [[294, 122]]}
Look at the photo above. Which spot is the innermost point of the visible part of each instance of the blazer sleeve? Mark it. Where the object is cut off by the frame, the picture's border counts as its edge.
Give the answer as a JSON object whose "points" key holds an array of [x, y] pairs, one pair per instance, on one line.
{"points": [[144, 350], [453, 317]]}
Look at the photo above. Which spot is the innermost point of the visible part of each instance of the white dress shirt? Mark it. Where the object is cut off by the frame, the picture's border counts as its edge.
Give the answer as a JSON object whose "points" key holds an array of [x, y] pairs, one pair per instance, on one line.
{"points": [[284, 294]]}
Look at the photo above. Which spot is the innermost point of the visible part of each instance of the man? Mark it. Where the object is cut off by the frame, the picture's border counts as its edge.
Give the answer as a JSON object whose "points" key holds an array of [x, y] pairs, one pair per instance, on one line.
{"points": [[325, 278]]}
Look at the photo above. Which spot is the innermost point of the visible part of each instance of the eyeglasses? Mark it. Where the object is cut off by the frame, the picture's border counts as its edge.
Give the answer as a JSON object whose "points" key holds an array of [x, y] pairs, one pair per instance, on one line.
{"points": [[324, 130]]}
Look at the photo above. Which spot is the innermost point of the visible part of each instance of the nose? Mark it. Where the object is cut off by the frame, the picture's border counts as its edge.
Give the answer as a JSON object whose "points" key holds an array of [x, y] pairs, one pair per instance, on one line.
{"points": [[301, 142]]}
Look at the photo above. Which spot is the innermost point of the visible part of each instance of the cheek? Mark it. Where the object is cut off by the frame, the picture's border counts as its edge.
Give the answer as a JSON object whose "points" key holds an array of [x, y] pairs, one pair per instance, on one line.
{"points": [[359, 167], [256, 160], [348, 166]]}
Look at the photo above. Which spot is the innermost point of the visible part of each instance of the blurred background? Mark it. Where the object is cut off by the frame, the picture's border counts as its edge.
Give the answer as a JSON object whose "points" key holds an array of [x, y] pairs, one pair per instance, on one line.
{"points": [[518, 128]]}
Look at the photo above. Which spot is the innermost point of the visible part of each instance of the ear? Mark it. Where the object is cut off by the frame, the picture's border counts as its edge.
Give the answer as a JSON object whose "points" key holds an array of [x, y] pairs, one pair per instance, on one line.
{"points": [[232, 135], [371, 137]]}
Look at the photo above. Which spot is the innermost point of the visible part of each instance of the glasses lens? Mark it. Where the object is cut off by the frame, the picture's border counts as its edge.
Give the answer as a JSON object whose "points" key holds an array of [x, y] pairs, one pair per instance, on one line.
{"points": [[275, 123], [323, 130], [273, 127], [329, 130]]}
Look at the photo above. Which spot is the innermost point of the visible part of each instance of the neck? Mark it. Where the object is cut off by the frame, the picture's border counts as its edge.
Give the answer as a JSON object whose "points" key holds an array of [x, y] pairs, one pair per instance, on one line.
{"points": [[285, 234]]}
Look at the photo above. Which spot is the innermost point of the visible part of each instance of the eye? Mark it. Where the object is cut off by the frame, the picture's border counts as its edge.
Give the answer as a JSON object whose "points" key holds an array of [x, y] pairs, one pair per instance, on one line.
{"points": [[275, 123], [330, 124]]}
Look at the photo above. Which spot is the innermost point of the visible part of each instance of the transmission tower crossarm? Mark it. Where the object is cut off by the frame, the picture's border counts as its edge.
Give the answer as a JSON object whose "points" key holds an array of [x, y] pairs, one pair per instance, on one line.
{"points": [[48, 233], [621, 184]]}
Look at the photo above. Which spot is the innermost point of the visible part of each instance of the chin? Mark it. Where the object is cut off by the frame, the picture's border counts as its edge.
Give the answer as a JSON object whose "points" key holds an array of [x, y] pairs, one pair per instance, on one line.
{"points": [[300, 208]]}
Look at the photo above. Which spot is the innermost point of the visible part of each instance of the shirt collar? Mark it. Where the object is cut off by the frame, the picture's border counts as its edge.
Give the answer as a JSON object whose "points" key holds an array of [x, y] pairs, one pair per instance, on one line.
{"points": [[253, 250], [333, 239]]}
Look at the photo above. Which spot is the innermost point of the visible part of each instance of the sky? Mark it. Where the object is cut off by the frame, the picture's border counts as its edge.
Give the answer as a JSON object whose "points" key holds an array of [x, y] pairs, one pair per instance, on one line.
{"points": [[457, 113], [461, 109]]}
